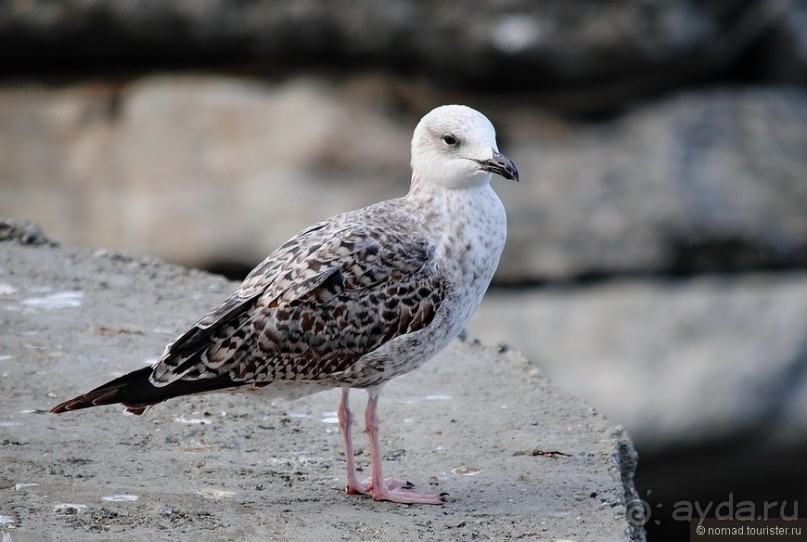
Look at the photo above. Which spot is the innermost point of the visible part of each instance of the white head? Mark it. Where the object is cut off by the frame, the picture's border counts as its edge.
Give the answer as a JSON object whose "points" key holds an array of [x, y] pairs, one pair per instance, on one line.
{"points": [[455, 146]]}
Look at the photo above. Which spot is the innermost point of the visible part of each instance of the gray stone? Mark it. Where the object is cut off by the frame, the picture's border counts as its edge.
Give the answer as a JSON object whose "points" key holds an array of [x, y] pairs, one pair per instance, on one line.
{"points": [[521, 459], [26, 233], [218, 171], [606, 51], [682, 364], [703, 181], [782, 55], [198, 169], [709, 375]]}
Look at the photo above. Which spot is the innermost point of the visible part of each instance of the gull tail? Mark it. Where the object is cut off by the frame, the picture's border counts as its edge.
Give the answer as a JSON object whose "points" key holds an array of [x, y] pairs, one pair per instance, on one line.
{"points": [[136, 392]]}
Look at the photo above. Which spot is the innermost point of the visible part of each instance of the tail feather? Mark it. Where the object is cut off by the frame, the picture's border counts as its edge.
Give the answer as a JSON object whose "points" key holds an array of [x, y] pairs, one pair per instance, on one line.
{"points": [[136, 392]]}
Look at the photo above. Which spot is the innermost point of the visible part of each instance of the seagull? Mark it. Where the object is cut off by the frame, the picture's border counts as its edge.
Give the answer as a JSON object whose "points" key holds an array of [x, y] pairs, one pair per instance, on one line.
{"points": [[353, 301]]}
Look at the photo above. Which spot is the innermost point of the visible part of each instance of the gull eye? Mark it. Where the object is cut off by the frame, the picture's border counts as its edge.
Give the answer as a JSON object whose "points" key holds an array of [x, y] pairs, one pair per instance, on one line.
{"points": [[450, 140]]}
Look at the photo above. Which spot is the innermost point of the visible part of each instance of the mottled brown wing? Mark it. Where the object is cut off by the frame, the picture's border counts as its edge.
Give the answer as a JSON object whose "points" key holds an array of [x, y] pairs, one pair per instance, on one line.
{"points": [[315, 306]]}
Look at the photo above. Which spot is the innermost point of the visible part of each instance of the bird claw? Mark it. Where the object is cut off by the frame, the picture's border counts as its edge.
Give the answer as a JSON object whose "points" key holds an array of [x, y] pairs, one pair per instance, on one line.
{"points": [[399, 491], [394, 485], [405, 496], [366, 487]]}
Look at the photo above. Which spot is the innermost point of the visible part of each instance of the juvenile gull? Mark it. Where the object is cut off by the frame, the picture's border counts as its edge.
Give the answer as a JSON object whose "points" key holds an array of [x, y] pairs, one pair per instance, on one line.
{"points": [[353, 301]]}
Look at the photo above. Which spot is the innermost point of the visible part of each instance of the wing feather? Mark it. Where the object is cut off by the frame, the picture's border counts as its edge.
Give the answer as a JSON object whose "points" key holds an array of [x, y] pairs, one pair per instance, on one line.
{"points": [[316, 305]]}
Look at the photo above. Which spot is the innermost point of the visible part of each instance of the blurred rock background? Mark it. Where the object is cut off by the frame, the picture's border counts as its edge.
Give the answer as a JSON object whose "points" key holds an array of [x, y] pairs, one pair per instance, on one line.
{"points": [[657, 258]]}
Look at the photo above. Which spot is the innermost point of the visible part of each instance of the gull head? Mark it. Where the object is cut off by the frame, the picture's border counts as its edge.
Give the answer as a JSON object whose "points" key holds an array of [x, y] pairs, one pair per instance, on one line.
{"points": [[454, 146]]}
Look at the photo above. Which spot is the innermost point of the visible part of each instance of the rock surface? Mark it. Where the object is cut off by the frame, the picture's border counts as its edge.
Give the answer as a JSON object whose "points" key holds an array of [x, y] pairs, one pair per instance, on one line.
{"points": [[681, 363], [608, 52], [708, 373], [702, 182], [215, 172], [233, 467]]}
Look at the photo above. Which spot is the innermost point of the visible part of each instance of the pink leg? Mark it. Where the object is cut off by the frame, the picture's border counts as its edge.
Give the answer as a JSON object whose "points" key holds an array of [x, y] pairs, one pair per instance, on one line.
{"points": [[388, 490], [353, 486]]}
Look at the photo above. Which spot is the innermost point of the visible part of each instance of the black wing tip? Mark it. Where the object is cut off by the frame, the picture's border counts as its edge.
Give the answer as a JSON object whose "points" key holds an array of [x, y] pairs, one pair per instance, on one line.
{"points": [[89, 400], [136, 392], [113, 392], [73, 404]]}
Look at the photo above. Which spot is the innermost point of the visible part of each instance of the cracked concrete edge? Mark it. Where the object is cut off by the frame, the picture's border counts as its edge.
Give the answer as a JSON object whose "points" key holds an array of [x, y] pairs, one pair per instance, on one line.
{"points": [[624, 457]]}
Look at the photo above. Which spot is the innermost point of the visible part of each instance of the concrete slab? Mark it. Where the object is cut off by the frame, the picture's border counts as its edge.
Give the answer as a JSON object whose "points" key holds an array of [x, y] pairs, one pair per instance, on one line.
{"points": [[519, 458]]}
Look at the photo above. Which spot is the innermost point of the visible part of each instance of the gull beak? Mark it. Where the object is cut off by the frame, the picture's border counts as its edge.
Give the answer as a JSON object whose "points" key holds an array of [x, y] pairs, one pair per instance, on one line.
{"points": [[500, 165]]}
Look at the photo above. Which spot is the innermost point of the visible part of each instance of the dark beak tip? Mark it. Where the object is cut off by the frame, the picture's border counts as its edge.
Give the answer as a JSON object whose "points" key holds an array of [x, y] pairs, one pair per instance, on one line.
{"points": [[508, 170], [501, 165]]}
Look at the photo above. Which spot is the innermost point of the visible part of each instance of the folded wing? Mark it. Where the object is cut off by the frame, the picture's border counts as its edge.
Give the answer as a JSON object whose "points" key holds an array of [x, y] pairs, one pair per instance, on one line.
{"points": [[306, 314]]}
